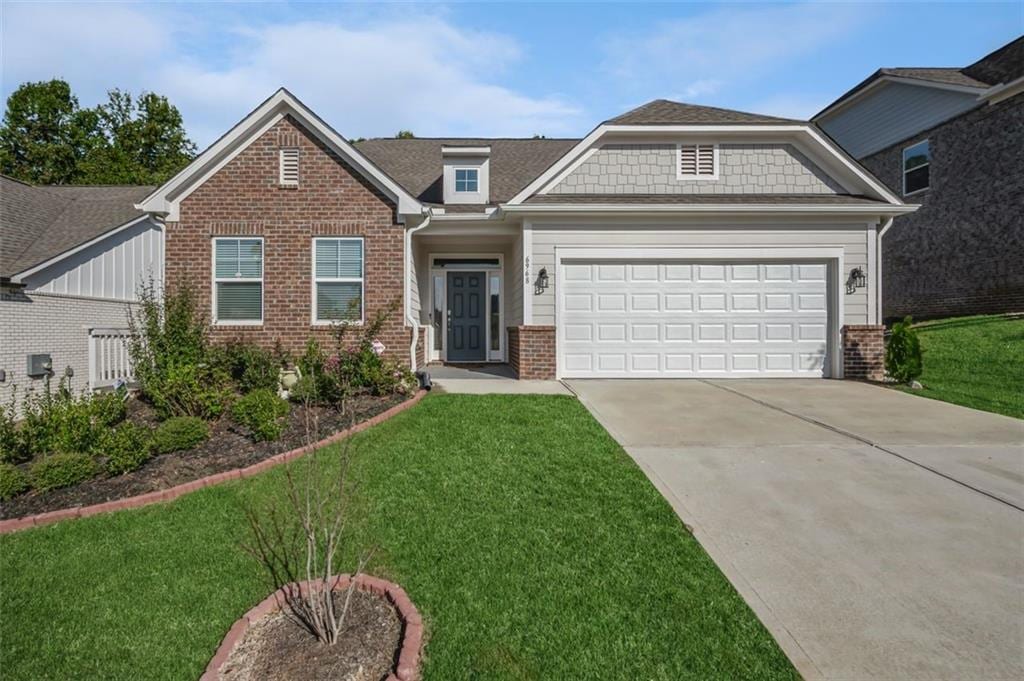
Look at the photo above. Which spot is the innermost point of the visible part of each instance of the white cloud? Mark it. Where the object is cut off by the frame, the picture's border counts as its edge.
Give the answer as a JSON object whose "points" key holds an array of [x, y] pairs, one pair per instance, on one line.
{"points": [[704, 54], [412, 72]]}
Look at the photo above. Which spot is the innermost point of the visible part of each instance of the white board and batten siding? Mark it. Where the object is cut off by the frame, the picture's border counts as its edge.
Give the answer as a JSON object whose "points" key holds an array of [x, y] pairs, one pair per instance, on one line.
{"points": [[111, 269]]}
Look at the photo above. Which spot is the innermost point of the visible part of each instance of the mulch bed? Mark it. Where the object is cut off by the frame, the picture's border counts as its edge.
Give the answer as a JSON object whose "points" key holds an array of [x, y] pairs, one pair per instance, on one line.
{"points": [[277, 649], [228, 448]]}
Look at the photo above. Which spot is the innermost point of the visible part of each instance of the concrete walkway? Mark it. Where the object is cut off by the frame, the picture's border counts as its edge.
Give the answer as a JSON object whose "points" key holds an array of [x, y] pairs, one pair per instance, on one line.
{"points": [[484, 379], [878, 535]]}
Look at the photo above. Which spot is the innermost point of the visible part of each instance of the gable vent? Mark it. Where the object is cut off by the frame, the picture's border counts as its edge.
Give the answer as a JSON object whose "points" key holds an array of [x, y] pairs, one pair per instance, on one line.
{"points": [[290, 167], [698, 160]]}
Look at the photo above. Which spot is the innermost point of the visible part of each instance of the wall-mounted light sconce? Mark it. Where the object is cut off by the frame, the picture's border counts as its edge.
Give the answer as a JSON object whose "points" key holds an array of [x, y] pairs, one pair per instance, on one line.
{"points": [[856, 280], [542, 281]]}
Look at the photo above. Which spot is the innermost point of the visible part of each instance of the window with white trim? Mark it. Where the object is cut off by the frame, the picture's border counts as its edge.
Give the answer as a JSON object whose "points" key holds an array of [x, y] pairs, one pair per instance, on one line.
{"points": [[917, 160], [238, 280], [337, 280], [467, 180], [289, 167], [697, 161]]}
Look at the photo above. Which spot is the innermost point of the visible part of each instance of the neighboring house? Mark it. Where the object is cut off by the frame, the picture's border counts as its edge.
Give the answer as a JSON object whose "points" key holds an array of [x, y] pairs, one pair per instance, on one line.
{"points": [[71, 259], [672, 241], [952, 140]]}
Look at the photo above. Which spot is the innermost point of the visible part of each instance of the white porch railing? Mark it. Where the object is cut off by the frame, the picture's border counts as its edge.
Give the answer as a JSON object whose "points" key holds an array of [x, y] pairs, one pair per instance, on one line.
{"points": [[109, 360]]}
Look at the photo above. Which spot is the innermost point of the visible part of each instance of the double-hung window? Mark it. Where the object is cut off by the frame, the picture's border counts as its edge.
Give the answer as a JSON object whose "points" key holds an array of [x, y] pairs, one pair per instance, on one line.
{"points": [[238, 280], [467, 180], [917, 160], [337, 280]]}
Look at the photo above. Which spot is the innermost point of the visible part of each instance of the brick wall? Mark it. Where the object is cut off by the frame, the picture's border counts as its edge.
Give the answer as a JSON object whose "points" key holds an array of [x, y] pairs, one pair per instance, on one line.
{"points": [[962, 252], [531, 352], [59, 325], [864, 351], [332, 199]]}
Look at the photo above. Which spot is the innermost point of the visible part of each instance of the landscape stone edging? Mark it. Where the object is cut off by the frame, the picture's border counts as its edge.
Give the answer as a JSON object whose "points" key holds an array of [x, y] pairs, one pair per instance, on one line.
{"points": [[172, 493], [408, 667]]}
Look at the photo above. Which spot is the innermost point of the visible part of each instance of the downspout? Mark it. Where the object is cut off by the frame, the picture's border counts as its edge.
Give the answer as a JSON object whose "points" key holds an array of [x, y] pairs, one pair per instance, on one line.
{"points": [[878, 268], [410, 317]]}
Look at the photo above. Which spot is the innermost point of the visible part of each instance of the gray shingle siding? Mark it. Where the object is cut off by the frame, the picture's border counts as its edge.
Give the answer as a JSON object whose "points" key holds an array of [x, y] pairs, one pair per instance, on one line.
{"points": [[743, 169]]}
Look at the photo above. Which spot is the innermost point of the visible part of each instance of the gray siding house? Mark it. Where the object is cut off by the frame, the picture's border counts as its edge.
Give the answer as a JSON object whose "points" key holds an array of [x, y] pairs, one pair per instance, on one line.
{"points": [[951, 140]]}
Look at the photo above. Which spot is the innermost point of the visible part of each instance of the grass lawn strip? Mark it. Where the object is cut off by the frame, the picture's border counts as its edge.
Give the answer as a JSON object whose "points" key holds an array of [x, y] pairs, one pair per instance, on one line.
{"points": [[976, 362], [532, 545]]}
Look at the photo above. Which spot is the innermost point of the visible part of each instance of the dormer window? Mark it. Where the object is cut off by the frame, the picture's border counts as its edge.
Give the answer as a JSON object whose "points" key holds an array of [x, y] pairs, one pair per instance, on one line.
{"points": [[697, 162], [467, 180], [466, 170]]}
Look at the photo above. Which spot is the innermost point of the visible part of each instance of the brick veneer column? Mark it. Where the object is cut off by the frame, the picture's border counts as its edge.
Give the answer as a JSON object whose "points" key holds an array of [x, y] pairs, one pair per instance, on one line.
{"points": [[531, 351], [864, 351]]}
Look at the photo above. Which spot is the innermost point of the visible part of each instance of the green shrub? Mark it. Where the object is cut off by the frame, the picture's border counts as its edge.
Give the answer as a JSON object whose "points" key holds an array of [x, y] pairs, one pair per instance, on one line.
{"points": [[179, 433], [13, 481], [60, 421], [903, 360], [12, 448], [126, 448], [171, 356], [250, 366], [62, 470], [260, 411]]}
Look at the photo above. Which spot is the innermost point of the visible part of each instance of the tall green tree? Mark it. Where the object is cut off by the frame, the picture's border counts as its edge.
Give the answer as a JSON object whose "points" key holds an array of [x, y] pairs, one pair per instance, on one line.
{"points": [[47, 139], [44, 134]]}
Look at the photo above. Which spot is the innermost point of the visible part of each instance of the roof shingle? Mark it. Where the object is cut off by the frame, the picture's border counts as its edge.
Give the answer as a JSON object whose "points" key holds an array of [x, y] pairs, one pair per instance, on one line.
{"points": [[665, 112], [40, 222]]}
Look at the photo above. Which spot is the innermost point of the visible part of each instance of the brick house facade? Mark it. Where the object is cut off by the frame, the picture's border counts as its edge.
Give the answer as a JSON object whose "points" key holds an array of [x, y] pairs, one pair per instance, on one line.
{"points": [[245, 198], [962, 252]]}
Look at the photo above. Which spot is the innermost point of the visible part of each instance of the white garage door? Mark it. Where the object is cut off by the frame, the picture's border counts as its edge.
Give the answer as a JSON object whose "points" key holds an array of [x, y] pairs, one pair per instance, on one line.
{"points": [[679, 319]]}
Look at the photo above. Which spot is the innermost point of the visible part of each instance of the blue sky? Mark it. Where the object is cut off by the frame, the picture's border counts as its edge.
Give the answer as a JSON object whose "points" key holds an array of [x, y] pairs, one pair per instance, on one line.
{"points": [[494, 69]]}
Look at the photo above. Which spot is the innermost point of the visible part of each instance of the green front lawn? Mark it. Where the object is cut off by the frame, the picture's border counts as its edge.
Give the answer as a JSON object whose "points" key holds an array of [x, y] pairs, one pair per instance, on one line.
{"points": [[532, 544], [976, 362]]}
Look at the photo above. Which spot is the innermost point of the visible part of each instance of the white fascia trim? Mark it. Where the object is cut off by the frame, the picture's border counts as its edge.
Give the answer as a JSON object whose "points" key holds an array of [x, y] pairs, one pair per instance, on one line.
{"points": [[854, 167], [165, 198], [20, 276], [567, 158], [833, 109], [720, 209], [998, 93]]}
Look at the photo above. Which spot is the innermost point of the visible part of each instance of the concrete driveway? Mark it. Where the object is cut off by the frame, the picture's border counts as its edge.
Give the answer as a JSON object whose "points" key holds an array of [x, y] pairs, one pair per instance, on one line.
{"points": [[876, 534]]}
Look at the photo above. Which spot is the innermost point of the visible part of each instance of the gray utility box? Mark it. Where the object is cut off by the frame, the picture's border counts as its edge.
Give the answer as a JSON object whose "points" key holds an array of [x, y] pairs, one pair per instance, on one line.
{"points": [[39, 366]]}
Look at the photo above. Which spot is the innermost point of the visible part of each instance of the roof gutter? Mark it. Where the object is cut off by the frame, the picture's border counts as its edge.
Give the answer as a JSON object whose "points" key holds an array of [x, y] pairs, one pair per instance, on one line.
{"points": [[409, 316], [705, 209]]}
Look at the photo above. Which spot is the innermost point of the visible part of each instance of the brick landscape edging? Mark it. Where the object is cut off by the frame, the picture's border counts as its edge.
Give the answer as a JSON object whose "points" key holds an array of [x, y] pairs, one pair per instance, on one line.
{"points": [[172, 493], [408, 667]]}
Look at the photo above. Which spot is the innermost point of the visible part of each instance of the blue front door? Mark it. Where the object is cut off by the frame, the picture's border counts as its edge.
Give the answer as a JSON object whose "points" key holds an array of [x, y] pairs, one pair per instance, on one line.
{"points": [[466, 316]]}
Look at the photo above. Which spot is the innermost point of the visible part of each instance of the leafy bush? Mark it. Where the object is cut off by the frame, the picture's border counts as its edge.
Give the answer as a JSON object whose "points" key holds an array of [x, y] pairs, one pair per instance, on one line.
{"points": [[62, 470], [355, 367], [60, 421], [260, 411], [13, 481], [11, 446], [903, 360], [179, 433], [171, 358], [250, 366], [126, 448]]}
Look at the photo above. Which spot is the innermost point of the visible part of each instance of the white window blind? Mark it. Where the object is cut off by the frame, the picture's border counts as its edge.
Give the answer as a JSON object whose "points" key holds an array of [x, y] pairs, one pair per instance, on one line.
{"points": [[698, 160], [338, 280], [238, 280], [290, 166]]}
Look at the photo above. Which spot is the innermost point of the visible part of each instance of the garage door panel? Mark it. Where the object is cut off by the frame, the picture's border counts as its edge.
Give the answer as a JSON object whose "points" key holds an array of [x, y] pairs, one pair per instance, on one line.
{"points": [[697, 319]]}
